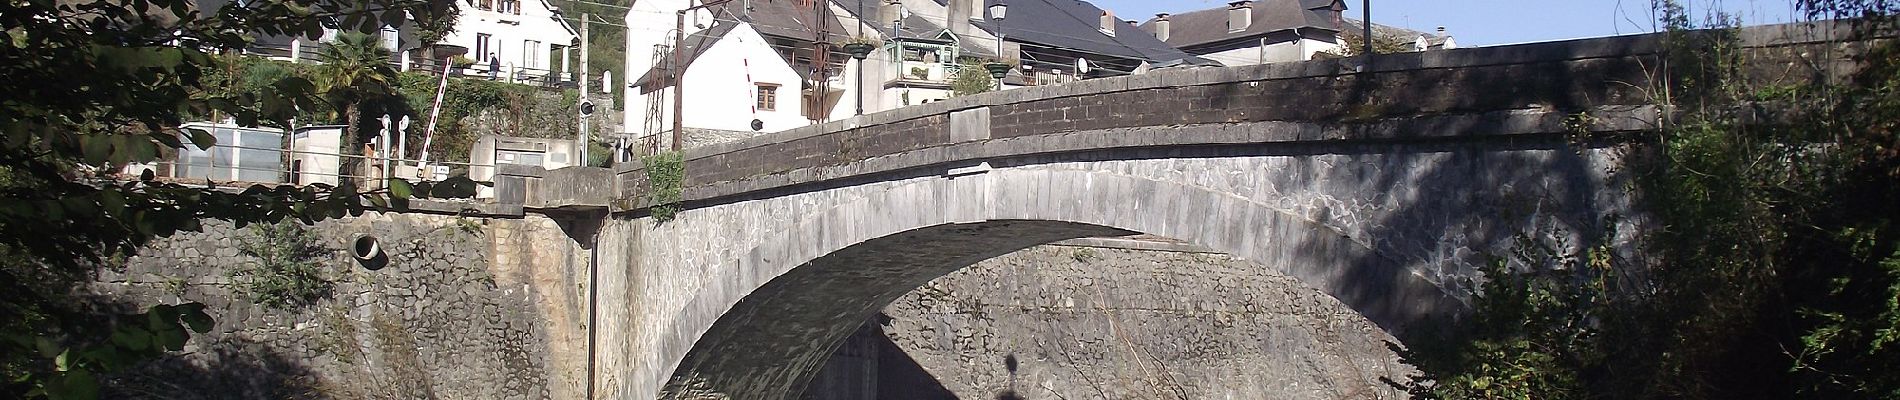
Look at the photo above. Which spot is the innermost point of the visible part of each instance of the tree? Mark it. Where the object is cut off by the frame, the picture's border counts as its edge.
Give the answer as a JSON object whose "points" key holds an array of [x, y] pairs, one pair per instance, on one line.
{"points": [[1774, 271], [971, 79], [1351, 43], [355, 76], [93, 86]]}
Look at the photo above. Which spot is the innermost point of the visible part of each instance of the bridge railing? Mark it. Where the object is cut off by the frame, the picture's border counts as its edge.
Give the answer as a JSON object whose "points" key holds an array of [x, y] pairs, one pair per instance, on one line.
{"points": [[1337, 100]]}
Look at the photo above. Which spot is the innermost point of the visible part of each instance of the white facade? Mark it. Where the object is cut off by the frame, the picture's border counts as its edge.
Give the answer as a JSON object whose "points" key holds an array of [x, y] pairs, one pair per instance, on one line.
{"points": [[527, 37], [650, 29], [725, 82], [722, 86], [1263, 53]]}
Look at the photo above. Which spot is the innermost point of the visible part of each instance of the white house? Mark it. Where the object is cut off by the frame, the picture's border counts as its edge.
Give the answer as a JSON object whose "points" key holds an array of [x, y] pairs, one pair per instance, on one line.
{"points": [[528, 38], [754, 63], [747, 70], [927, 42]]}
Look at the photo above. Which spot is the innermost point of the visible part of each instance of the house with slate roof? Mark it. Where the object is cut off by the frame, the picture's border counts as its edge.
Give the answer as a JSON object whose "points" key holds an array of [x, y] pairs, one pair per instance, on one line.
{"points": [[753, 61], [748, 68], [1268, 31], [926, 42]]}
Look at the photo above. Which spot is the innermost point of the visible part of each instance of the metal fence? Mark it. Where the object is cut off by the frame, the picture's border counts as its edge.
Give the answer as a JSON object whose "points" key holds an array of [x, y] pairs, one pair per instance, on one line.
{"points": [[302, 52], [240, 165]]}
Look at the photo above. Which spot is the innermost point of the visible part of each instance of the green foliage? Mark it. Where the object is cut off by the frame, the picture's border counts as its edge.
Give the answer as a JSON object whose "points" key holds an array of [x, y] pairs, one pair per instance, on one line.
{"points": [[971, 79], [1537, 329], [608, 38], [93, 86], [599, 155], [356, 79], [1352, 42], [1084, 255], [77, 368], [1775, 271], [286, 273], [666, 176]]}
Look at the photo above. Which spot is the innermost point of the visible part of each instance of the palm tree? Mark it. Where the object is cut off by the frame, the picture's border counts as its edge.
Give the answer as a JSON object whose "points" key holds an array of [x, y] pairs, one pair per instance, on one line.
{"points": [[355, 72]]}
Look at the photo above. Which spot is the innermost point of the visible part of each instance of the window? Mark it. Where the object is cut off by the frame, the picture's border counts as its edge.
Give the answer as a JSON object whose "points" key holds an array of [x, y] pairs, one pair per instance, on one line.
{"points": [[530, 54], [510, 7], [481, 47], [768, 97], [485, 4]]}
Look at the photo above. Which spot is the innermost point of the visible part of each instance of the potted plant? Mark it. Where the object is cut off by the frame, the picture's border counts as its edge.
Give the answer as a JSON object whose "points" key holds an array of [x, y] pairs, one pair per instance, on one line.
{"points": [[859, 47], [998, 68], [919, 73]]}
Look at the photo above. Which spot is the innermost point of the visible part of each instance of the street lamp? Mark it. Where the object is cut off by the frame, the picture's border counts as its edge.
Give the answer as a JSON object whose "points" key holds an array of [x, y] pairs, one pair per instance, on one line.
{"points": [[859, 51], [998, 69]]}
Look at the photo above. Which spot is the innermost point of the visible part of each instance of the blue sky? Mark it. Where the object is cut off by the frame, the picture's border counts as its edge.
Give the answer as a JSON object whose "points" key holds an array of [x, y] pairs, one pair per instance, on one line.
{"points": [[1493, 22]]}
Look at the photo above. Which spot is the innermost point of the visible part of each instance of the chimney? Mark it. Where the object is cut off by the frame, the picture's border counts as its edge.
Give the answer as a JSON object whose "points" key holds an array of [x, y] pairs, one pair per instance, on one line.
{"points": [[959, 14], [1239, 16], [888, 12], [1161, 26], [1108, 23]]}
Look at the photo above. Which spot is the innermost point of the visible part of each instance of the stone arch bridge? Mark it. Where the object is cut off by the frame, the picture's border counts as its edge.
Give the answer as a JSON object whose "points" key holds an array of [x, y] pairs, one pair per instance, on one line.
{"points": [[1381, 184]]}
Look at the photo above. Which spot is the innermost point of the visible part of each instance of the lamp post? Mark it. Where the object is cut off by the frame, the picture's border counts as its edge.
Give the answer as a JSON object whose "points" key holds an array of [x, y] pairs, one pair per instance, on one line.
{"points": [[1365, 6], [859, 51], [998, 69]]}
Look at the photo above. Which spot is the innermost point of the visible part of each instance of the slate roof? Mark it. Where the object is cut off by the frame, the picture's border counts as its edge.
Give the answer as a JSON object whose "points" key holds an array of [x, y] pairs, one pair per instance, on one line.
{"points": [[781, 18], [695, 45], [1074, 24], [1202, 27]]}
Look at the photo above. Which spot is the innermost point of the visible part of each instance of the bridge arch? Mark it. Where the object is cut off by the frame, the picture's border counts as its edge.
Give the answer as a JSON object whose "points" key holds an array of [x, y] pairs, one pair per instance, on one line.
{"points": [[766, 322]]}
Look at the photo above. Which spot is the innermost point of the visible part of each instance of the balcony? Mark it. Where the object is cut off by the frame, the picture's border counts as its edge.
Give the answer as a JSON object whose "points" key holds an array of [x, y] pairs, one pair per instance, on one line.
{"points": [[926, 73]]}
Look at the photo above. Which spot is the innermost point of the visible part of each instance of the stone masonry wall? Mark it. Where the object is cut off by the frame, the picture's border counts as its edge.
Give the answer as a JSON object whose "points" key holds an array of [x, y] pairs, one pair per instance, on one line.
{"points": [[467, 308], [1071, 322]]}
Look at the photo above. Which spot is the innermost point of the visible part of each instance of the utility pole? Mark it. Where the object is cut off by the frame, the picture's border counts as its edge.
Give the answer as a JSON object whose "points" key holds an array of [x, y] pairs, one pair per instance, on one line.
{"points": [[821, 59], [580, 107], [679, 86]]}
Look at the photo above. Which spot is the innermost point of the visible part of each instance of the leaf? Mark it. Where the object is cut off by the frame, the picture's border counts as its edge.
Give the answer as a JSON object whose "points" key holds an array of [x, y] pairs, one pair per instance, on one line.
{"points": [[162, 315], [170, 339], [202, 138], [18, 36], [63, 362], [167, 139], [195, 316], [95, 149], [399, 188], [132, 337], [76, 385]]}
